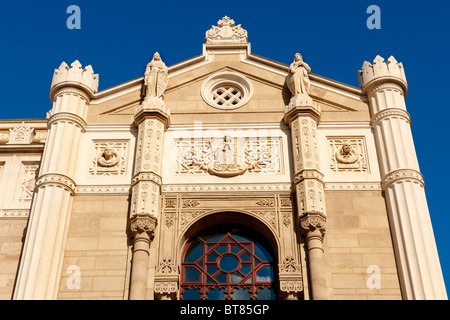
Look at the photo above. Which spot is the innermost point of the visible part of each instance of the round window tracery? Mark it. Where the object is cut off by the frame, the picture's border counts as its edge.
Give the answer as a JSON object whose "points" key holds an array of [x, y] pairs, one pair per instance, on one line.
{"points": [[226, 96], [228, 264], [226, 90]]}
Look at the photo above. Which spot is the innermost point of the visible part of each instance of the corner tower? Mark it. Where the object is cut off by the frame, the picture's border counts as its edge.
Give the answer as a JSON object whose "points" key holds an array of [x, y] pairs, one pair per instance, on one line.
{"points": [[420, 273]]}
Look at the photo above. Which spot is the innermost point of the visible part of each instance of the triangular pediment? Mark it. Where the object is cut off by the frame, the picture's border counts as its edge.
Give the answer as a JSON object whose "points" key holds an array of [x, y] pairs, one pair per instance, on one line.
{"points": [[184, 96]]}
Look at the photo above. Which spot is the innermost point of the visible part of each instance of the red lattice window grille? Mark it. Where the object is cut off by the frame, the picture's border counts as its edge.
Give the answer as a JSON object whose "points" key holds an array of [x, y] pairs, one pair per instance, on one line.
{"points": [[230, 264]]}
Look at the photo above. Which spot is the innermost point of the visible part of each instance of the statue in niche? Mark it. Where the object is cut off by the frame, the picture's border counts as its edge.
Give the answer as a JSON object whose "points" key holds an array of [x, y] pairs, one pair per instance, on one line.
{"points": [[156, 78], [298, 78], [346, 154], [108, 158]]}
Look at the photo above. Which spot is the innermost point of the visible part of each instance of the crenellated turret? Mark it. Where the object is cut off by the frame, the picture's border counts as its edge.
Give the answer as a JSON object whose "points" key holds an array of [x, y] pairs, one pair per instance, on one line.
{"points": [[381, 71], [74, 76]]}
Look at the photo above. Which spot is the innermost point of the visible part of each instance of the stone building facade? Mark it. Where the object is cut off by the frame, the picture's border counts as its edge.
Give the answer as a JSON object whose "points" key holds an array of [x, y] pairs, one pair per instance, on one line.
{"points": [[226, 176]]}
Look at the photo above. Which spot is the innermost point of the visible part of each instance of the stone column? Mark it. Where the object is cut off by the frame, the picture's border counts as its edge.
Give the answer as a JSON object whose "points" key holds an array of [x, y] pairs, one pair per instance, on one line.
{"points": [[152, 119], [143, 229], [303, 115], [41, 263], [402, 183], [313, 227]]}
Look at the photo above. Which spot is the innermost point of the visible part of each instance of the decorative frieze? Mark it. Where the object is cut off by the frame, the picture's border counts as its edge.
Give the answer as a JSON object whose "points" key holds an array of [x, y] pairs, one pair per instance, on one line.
{"points": [[56, 179], [390, 113], [166, 287], [291, 286], [401, 175], [261, 187], [190, 203], [14, 213], [147, 176], [94, 190], [353, 186], [69, 118], [266, 202]]}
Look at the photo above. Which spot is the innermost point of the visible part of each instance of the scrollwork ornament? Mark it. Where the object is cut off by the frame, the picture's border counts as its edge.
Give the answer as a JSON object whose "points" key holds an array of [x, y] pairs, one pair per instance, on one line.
{"points": [[166, 266], [289, 265]]}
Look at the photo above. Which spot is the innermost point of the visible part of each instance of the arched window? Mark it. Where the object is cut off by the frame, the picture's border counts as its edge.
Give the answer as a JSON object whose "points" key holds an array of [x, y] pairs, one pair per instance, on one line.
{"points": [[228, 263]]}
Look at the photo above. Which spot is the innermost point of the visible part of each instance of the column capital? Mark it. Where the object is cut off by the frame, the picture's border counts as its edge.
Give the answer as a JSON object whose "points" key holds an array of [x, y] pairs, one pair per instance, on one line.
{"points": [[313, 221], [143, 223]]}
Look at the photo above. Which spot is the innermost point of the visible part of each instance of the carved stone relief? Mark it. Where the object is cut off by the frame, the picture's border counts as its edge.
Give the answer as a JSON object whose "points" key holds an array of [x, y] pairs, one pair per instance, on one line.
{"points": [[226, 31], [228, 156], [108, 158], [348, 155], [21, 134], [28, 181]]}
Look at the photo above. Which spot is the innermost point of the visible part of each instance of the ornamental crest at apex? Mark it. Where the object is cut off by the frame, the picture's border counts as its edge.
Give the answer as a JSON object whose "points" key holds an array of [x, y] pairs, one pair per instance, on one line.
{"points": [[226, 32]]}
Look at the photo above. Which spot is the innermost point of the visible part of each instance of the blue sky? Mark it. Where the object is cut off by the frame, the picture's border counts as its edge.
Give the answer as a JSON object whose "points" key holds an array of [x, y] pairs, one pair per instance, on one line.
{"points": [[119, 38]]}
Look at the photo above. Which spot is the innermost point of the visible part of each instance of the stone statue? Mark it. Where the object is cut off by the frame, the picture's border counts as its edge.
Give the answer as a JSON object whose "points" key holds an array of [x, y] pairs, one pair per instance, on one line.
{"points": [[156, 78], [298, 79]]}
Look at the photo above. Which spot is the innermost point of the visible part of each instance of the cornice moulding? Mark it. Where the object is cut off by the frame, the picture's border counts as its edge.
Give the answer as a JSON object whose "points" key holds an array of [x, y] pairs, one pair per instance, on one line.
{"points": [[22, 148]]}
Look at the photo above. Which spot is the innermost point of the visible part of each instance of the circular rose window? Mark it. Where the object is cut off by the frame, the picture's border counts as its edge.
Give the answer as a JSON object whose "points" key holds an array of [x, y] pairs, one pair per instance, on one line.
{"points": [[226, 90]]}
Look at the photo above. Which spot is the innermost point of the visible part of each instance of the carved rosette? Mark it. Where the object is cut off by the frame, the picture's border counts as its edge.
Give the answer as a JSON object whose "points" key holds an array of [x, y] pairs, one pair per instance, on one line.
{"points": [[143, 223]]}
